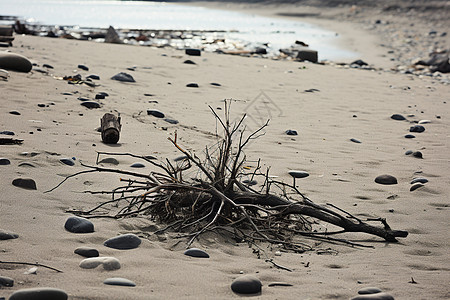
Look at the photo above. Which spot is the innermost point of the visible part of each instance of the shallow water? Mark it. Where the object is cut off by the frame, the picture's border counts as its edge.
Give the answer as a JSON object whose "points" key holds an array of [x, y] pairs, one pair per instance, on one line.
{"points": [[251, 29]]}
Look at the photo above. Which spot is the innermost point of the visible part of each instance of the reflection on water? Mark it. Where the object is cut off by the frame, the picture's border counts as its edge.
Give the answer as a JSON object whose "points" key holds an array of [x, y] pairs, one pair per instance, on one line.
{"points": [[243, 28]]}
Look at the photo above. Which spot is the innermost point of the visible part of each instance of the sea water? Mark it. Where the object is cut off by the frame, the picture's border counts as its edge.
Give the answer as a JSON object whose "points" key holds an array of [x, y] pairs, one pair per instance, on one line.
{"points": [[247, 28]]}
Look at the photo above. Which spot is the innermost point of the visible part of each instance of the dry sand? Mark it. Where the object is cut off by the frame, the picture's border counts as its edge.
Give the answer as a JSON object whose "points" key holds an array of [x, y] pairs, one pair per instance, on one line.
{"points": [[347, 103]]}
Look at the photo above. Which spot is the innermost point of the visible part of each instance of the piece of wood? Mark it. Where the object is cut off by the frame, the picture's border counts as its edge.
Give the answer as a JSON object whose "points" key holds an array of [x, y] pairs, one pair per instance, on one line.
{"points": [[110, 127]]}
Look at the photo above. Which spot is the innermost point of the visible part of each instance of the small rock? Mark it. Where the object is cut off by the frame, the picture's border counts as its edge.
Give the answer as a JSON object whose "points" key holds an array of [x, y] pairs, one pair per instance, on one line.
{"points": [[359, 62], [424, 121], [15, 112], [171, 121], [193, 52], [94, 77], [369, 290], [41, 105], [415, 186], [87, 252], [419, 179], [47, 66], [195, 252], [67, 161], [41, 293], [6, 281], [25, 183], [246, 284], [7, 132], [355, 141], [83, 99], [386, 179], [417, 128], [192, 85], [137, 165], [109, 160], [408, 152], [155, 113], [4, 161], [83, 67], [123, 242], [124, 77], [417, 154], [398, 117], [79, 225], [298, 174], [109, 263], [119, 281], [189, 62], [410, 136], [100, 96], [308, 55], [215, 84], [5, 235], [14, 62], [291, 132], [90, 104], [377, 296]]}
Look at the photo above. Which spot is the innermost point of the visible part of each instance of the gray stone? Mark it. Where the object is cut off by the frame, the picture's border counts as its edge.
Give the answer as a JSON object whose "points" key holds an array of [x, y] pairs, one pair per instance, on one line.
{"points": [[246, 284], [15, 112], [419, 179], [109, 160], [67, 161], [41, 293], [193, 52], [298, 174], [119, 281], [124, 77], [6, 281], [26, 183], [7, 132], [171, 121], [79, 225], [355, 141], [195, 252], [369, 290], [94, 77], [155, 113], [291, 132], [307, 54], [4, 161], [83, 67], [14, 62], [398, 117], [123, 242], [112, 36], [408, 152], [137, 165], [386, 179], [108, 263], [6, 235], [90, 104], [377, 296], [87, 252], [417, 128], [415, 186], [417, 154], [410, 136]]}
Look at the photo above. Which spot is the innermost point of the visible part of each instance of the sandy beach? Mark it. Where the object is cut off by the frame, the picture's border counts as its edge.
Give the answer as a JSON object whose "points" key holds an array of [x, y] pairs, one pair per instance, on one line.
{"points": [[327, 105]]}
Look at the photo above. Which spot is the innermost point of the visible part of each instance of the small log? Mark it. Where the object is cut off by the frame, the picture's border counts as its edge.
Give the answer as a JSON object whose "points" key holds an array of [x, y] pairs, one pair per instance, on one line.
{"points": [[110, 127]]}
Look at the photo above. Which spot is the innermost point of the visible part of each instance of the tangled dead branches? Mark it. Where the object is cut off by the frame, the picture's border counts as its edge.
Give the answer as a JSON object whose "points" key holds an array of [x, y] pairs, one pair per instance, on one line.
{"points": [[224, 196]]}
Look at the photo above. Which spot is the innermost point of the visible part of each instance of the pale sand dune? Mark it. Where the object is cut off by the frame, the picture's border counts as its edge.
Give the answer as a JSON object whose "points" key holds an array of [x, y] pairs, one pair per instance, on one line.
{"points": [[342, 172]]}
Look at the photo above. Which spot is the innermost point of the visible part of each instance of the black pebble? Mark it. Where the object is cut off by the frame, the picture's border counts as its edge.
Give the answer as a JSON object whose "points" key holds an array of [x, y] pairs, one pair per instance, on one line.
{"points": [[189, 62], [95, 77], [398, 117], [171, 121], [215, 84], [47, 66], [4, 161], [25, 183], [7, 132], [192, 85], [83, 67], [291, 132], [124, 77], [417, 128], [15, 112], [90, 104], [410, 136], [79, 225], [100, 96], [193, 52], [417, 154], [155, 113]]}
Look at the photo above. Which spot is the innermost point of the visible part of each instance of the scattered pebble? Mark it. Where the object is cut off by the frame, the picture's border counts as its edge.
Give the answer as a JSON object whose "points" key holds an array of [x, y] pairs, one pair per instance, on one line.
{"points": [[137, 165], [279, 284], [100, 96], [189, 62], [124, 77], [398, 117], [386, 179], [193, 52], [109, 160], [417, 128], [355, 141], [4, 161], [377, 296], [123, 242], [215, 84], [155, 113], [94, 77], [79, 225], [410, 136], [246, 284], [83, 67], [87, 252], [119, 281], [419, 179], [291, 132], [5, 235], [7, 132], [41, 293], [369, 290], [415, 186], [192, 85], [417, 154], [26, 183], [15, 112], [109, 263], [67, 161], [90, 104], [298, 174], [171, 121], [408, 152], [6, 281], [195, 252]]}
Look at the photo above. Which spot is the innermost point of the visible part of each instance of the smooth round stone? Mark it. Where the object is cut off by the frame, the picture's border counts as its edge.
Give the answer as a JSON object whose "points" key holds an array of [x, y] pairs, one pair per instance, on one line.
{"points": [[79, 225], [398, 117], [109, 263], [386, 179], [192, 85], [298, 174], [410, 136], [123, 242], [109, 160], [67, 161], [5, 235], [4, 161], [171, 121], [6, 281], [90, 104], [42, 293], [155, 113], [419, 179], [415, 186], [124, 77], [83, 67], [246, 284], [377, 296], [417, 154], [355, 141], [195, 252], [26, 183], [408, 152], [369, 290], [137, 165], [291, 132], [15, 112], [424, 122], [417, 128], [14, 62], [87, 252], [119, 281]]}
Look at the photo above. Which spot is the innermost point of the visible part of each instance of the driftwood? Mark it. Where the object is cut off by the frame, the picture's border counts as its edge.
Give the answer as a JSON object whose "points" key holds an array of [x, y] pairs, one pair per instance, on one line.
{"points": [[219, 193], [110, 128]]}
